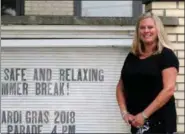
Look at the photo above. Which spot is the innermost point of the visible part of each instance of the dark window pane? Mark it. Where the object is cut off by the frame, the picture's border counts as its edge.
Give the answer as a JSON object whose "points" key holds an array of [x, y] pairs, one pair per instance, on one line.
{"points": [[8, 7]]}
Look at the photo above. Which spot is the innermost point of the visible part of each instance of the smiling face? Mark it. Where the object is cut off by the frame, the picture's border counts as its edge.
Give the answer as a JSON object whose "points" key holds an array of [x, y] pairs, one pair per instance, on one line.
{"points": [[148, 31]]}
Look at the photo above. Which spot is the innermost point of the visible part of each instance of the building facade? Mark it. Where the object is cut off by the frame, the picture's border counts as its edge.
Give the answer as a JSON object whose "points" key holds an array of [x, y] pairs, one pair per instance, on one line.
{"points": [[61, 60]]}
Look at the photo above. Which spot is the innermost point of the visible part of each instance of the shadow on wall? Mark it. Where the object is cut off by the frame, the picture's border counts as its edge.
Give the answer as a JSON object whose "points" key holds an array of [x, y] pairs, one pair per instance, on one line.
{"points": [[8, 7]]}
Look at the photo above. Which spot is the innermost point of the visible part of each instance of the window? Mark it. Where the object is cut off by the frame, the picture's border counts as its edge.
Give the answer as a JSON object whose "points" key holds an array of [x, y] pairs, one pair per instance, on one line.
{"points": [[109, 8], [12, 7]]}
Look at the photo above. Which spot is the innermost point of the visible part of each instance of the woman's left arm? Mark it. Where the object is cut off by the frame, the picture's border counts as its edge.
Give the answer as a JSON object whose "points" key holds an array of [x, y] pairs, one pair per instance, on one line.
{"points": [[169, 76], [169, 79]]}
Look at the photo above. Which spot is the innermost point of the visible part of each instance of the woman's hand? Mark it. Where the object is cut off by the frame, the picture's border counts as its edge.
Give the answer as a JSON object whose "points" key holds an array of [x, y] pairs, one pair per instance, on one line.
{"points": [[138, 120], [128, 118]]}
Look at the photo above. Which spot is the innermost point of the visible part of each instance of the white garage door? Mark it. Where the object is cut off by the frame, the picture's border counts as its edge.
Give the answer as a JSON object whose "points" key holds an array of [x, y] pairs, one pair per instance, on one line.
{"points": [[64, 90]]}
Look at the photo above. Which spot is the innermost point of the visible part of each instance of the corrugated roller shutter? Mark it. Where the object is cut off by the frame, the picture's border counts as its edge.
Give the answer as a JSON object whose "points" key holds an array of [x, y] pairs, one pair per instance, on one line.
{"points": [[84, 105]]}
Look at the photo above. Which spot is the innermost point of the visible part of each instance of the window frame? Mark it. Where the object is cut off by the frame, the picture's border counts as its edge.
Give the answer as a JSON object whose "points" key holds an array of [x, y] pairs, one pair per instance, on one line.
{"points": [[19, 7], [136, 9]]}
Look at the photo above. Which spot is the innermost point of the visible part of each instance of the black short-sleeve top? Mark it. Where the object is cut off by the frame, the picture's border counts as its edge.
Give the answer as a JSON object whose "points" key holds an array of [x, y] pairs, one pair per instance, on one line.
{"points": [[142, 78]]}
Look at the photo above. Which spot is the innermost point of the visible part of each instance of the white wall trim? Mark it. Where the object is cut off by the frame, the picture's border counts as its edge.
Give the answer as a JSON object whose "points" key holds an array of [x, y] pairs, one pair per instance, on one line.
{"points": [[66, 42], [66, 31]]}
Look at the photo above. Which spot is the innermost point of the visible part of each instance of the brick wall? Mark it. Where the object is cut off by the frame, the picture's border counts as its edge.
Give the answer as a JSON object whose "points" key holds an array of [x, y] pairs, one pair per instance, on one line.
{"points": [[176, 36], [48, 7]]}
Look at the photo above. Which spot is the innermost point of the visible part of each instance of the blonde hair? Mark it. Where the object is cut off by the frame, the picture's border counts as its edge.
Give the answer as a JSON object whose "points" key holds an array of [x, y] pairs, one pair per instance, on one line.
{"points": [[137, 45]]}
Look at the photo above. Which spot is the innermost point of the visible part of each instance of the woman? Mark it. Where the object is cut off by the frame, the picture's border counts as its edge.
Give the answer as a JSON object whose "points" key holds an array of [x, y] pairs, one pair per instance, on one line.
{"points": [[145, 91]]}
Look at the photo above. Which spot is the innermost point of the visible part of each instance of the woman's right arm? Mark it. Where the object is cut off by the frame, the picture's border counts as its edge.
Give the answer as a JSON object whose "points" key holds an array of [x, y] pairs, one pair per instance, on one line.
{"points": [[120, 96], [128, 118]]}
